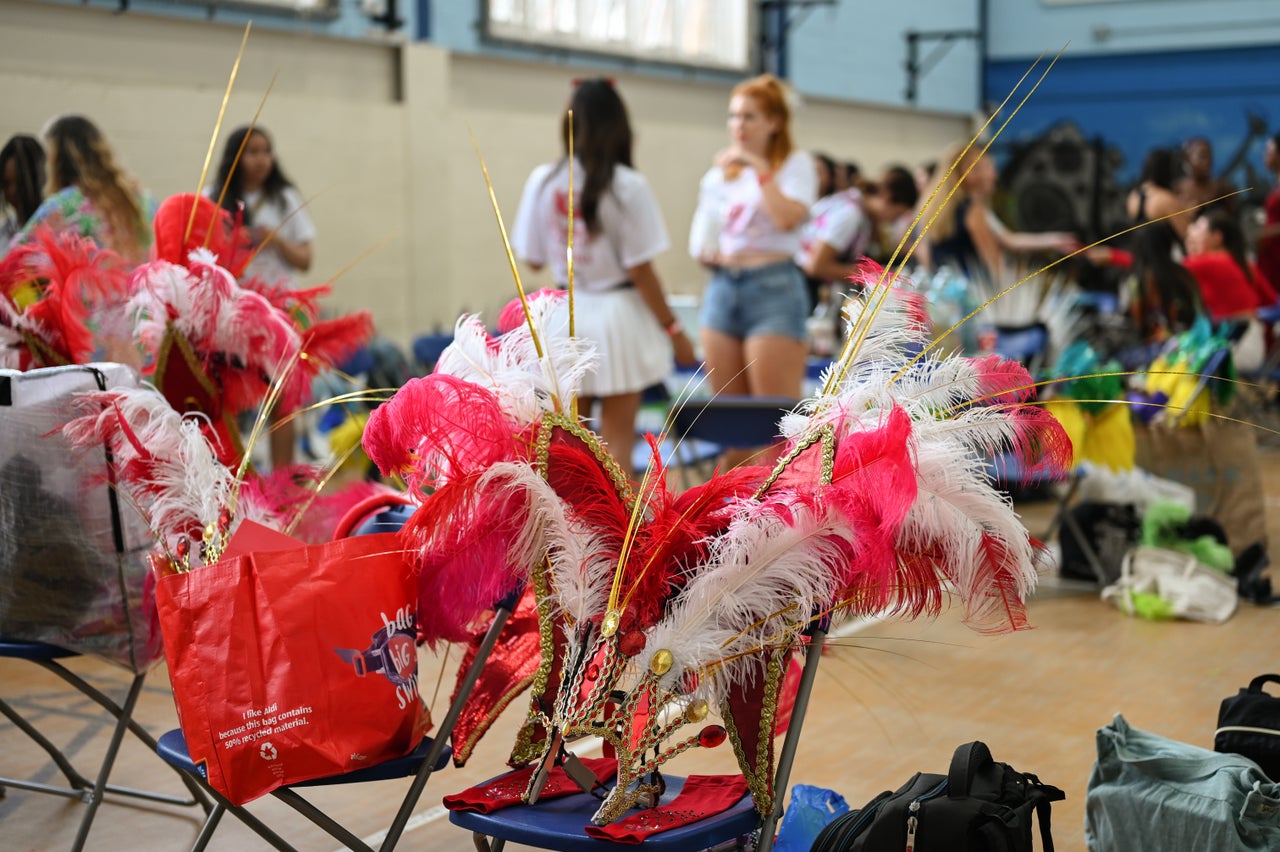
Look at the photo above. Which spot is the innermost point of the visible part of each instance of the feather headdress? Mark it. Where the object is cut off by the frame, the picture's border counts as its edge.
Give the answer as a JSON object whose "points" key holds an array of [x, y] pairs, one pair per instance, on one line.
{"points": [[218, 348], [688, 605], [60, 295]]}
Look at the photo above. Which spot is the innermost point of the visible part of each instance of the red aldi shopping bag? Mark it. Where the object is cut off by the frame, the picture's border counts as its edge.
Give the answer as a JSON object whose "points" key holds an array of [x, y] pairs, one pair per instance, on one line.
{"points": [[295, 663]]}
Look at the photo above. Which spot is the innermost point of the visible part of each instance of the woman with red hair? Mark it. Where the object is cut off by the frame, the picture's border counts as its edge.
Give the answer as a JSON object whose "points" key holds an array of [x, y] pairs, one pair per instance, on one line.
{"points": [[751, 205]]}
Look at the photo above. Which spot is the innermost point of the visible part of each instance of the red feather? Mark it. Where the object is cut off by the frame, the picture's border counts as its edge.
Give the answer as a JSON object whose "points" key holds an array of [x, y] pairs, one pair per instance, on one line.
{"points": [[1002, 381], [1041, 444], [75, 280], [212, 228]]}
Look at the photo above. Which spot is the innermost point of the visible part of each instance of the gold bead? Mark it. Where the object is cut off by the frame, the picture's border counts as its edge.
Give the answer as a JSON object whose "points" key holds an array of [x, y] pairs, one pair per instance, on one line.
{"points": [[661, 661], [609, 624], [696, 712]]}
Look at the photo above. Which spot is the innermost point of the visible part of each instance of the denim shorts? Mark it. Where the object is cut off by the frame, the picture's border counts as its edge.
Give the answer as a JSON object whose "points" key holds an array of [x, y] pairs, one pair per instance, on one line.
{"points": [[746, 303]]}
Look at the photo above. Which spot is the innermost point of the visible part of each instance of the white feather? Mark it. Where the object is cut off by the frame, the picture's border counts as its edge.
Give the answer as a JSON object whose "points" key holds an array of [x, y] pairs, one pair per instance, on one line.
{"points": [[526, 383], [187, 486], [765, 579]]}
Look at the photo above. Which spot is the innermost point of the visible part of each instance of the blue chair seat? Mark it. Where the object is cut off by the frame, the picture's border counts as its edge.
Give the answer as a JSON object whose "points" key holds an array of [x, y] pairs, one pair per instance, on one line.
{"points": [[675, 453], [558, 824], [173, 750], [740, 422], [17, 649], [428, 348]]}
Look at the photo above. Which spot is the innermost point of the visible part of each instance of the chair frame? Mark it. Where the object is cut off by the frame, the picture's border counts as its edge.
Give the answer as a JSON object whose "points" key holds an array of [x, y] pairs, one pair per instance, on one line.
{"points": [[92, 793], [46, 656], [727, 422]]}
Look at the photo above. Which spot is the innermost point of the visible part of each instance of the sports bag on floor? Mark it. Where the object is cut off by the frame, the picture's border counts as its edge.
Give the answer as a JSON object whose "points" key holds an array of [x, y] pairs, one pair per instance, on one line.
{"points": [[978, 806]]}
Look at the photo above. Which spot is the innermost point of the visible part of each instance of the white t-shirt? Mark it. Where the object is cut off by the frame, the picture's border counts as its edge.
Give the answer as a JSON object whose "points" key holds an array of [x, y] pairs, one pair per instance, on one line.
{"points": [[839, 221], [735, 205], [631, 228], [269, 264]]}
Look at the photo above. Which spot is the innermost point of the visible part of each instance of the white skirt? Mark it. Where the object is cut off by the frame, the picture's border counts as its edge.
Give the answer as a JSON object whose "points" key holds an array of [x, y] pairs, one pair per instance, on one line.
{"points": [[634, 352]]}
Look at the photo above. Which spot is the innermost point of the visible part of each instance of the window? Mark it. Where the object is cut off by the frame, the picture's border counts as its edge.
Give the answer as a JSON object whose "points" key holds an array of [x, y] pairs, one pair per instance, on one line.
{"points": [[301, 8], [713, 33]]}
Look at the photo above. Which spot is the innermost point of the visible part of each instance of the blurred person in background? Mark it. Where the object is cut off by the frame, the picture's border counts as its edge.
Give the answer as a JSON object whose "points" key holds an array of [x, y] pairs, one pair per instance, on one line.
{"points": [[22, 176], [279, 228], [759, 190], [892, 208], [272, 209], [1198, 185], [967, 234], [1154, 196], [618, 232], [89, 194], [1231, 286], [1269, 235]]}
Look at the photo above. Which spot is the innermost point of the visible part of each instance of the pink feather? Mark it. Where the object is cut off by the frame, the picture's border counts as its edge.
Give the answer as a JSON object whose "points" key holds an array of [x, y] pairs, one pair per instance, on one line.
{"points": [[512, 314], [437, 427]]}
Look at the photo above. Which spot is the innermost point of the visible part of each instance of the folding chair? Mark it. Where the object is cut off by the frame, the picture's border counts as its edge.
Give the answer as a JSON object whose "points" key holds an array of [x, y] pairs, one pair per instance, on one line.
{"points": [[654, 403], [431, 754], [80, 787], [70, 557], [728, 422], [558, 824], [427, 349]]}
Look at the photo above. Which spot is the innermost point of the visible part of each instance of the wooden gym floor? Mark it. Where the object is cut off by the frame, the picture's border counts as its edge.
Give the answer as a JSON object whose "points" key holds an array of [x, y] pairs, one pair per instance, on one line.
{"points": [[890, 699]]}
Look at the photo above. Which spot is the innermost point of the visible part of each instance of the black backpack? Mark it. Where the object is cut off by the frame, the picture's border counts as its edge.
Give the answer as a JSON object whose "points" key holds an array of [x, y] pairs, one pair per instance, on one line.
{"points": [[978, 806]]}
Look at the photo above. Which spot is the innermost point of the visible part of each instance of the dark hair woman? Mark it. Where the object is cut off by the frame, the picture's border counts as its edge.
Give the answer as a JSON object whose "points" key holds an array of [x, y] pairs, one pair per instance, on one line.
{"points": [[1231, 286], [22, 178], [1154, 196], [270, 207], [1166, 296], [618, 231]]}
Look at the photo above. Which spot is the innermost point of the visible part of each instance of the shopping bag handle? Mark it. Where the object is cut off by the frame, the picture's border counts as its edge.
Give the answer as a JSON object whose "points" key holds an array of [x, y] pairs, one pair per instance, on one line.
{"points": [[366, 507]]}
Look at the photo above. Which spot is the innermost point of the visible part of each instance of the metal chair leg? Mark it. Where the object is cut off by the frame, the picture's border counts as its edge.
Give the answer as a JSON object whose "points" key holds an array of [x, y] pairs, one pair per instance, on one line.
{"points": [[500, 616], [77, 781], [113, 748], [103, 700]]}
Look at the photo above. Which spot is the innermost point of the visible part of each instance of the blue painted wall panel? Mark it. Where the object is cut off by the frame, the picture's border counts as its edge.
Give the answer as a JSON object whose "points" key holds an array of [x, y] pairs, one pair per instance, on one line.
{"points": [[1025, 27], [1139, 101]]}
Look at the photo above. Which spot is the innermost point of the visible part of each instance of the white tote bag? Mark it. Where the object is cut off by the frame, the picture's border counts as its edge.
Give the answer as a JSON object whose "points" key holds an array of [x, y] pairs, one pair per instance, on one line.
{"points": [[1192, 589]]}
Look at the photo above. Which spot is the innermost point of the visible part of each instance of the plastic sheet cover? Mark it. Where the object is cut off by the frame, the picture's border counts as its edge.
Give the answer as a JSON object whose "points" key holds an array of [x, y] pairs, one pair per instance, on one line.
{"points": [[74, 566]]}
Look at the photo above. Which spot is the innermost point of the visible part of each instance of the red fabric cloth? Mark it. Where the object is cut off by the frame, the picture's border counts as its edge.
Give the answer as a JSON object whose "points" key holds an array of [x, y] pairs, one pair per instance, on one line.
{"points": [[1224, 287], [787, 696], [507, 790], [703, 796]]}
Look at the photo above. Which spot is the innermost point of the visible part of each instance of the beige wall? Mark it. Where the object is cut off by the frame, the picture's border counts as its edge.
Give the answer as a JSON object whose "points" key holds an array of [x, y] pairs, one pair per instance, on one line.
{"points": [[376, 133]]}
